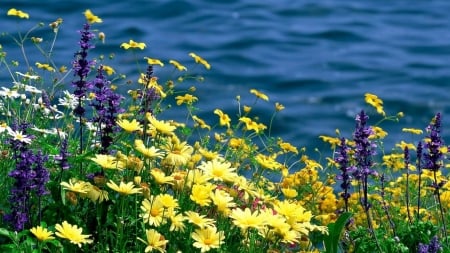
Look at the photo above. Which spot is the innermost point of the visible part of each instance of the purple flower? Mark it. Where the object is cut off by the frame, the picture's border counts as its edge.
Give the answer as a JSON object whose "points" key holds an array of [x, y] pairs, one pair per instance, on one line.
{"points": [[346, 170], [63, 155], [30, 177], [149, 95], [433, 158], [364, 150], [107, 106], [433, 247], [82, 67]]}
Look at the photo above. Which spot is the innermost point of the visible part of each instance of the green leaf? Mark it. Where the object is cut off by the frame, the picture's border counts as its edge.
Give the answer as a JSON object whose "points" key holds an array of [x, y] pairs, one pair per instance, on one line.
{"points": [[5, 232], [335, 231]]}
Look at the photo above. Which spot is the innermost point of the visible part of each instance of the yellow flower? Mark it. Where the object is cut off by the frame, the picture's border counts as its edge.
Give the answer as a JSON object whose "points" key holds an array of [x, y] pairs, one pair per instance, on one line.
{"points": [[268, 162], [376, 102], [108, 162], [76, 186], [200, 194], [42, 234], [128, 126], [160, 177], [151, 152], [45, 66], [207, 238], [223, 201], [187, 98], [108, 69], [155, 241], [259, 94], [153, 211], [178, 153], [378, 133], [152, 61], [200, 60], [159, 125], [133, 44], [224, 119], [245, 219], [17, 13], [218, 170], [200, 122], [252, 125], [72, 233], [287, 147], [124, 189], [279, 107], [412, 130], [91, 18], [334, 141], [289, 192], [178, 65], [199, 220]]}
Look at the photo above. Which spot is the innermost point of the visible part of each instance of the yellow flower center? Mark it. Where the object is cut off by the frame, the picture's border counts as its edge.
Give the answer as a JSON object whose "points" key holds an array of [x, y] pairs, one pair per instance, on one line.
{"points": [[208, 241], [154, 212]]}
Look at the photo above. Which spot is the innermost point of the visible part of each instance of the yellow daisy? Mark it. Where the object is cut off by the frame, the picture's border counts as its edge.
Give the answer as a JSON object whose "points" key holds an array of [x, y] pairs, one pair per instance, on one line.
{"points": [[207, 238], [154, 240], [124, 189], [72, 233], [41, 233]]}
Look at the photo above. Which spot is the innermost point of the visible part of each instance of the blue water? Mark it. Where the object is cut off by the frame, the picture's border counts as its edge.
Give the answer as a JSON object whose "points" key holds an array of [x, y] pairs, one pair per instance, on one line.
{"points": [[318, 58]]}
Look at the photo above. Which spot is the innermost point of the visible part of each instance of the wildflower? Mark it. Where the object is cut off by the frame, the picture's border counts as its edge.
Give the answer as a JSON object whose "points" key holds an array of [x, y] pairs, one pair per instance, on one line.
{"points": [[91, 18], [207, 238], [108, 69], [153, 211], [178, 65], [28, 76], [279, 107], [177, 222], [346, 170], [68, 100], [160, 177], [72, 233], [376, 102], [41, 233], [124, 189], [154, 241], [151, 152], [168, 201], [76, 186], [129, 126], [17, 13], [45, 66], [95, 194], [252, 125], [268, 162], [159, 125], [178, 153], [19, 136], [186, 99], [133, 44], [199, 220], [81, 67], [246, 219], [433, 159], [259, 94], [200, 122], [223, 201], [107, 162], [412, 130], [218, 170], [200, 194], [152, 61], [224, 119], [9, 93], [200, 60], [378, 133], [287, 147]]}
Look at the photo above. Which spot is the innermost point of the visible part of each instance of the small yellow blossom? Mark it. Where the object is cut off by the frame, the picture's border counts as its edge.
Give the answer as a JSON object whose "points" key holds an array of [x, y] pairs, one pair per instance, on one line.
{"points": [[128, 126], [91, 18], [151, 152], [72, 233], [108, 69], [207, 238], [287, 147], [252, 125], [152, 61], [376, 102], [259, 94], [133, 44], [378, 133], [41, 233], [45, 66], [154, 241], [124, 188], [412, 130], [178, 65], [268, 162], [224, 119], [279, 107], [200, 60], [17, 13], [187, 99], [201, 122]]}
